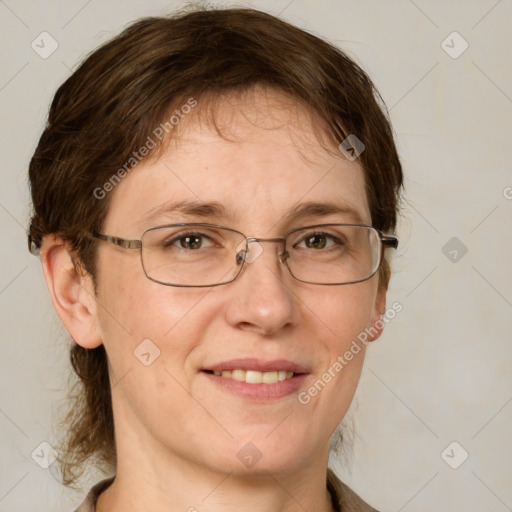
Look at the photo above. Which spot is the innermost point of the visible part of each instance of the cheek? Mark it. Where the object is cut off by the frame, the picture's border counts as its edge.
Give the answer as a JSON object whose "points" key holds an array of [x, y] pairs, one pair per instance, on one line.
{"points": [[340, 316], [137, 316], [345, 311]]}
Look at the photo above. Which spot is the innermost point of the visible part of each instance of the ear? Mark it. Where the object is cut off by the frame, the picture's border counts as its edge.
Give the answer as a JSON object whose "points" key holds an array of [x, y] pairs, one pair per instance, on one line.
{"points": [[71, 291], [377, 325]]}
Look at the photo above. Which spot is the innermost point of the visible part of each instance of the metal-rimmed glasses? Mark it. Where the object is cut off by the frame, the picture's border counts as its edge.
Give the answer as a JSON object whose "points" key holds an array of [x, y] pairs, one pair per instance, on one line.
{"points": [[201, 254]]}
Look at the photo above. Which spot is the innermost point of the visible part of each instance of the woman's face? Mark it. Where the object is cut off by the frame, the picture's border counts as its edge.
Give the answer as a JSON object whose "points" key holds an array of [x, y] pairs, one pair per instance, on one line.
{"points": [[172, 405]]}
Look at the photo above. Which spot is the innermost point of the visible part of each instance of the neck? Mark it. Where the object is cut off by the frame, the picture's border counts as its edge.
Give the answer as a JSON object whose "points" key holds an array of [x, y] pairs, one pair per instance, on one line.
{"points": [[169, 483]]}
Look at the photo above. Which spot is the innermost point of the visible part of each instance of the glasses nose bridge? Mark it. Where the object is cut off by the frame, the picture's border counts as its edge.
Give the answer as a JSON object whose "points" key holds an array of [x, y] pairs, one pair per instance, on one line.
{"points": [[276, 239], [283, 255]]}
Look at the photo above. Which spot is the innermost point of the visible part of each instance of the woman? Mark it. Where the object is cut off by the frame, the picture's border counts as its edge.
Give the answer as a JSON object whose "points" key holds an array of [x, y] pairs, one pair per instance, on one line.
{"points": [[210, 197]]}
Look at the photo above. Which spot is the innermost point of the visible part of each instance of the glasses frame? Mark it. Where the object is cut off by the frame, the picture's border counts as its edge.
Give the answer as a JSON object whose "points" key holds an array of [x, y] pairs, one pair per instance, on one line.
{"points": [[386, 241]]}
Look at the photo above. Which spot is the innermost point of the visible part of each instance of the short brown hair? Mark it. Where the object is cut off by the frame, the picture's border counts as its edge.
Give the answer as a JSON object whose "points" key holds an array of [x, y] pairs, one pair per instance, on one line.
{"points": [[109, 106]]}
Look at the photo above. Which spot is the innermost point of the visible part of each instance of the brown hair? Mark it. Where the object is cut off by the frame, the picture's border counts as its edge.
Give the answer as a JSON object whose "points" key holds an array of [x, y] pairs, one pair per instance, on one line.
{"points": [[105, 111]]}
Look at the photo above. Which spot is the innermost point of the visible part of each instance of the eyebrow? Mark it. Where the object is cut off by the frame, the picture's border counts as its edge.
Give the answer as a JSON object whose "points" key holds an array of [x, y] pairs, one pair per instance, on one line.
{"points": [[198, 209], [188, 208], [316, 209]]}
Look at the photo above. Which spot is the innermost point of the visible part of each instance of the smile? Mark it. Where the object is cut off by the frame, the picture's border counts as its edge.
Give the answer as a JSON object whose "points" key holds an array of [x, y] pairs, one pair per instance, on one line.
{"points": [[253, 376], [257, 379]]}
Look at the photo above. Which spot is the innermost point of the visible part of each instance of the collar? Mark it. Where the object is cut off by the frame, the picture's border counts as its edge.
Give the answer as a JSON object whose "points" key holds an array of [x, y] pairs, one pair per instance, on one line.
{"points": [[343, 498]]}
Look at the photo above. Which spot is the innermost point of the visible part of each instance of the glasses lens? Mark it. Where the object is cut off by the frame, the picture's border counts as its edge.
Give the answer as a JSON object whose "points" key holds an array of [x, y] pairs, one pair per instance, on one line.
{"points": [[333, 254], [205, 255], [192, 255]]}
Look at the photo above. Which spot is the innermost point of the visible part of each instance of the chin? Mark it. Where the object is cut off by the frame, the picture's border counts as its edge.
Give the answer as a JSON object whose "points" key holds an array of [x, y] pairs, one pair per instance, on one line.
{"points": [[261, 453]]}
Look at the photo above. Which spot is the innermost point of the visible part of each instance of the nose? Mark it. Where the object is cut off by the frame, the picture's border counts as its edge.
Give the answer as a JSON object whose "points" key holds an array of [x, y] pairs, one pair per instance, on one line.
{"points": [[262, 299]]}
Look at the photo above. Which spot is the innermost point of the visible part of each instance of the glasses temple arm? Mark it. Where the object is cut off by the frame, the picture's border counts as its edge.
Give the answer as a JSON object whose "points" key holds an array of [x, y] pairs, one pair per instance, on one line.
{"points": [[121, 242], [389, 241]]}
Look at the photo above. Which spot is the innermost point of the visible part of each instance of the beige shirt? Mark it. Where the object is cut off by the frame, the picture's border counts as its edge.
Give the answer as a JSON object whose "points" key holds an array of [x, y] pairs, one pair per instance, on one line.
{"points": [[343, 499]]}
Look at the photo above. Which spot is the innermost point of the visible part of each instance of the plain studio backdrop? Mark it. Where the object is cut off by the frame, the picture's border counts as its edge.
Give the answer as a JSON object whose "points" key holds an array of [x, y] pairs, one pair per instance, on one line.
{"points": [[433, 412]]}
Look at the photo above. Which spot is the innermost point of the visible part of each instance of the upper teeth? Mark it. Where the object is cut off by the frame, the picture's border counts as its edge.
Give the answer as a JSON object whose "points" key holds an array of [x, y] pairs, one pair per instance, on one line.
{"points": [[255, 377]]}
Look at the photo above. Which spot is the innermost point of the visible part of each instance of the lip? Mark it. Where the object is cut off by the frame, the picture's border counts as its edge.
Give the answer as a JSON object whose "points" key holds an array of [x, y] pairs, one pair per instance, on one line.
{"points": [[257, 392], [257, 365]]}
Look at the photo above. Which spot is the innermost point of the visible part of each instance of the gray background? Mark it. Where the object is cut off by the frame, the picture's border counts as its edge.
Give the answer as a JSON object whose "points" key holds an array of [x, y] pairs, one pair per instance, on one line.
{"points": [[441, 371]]}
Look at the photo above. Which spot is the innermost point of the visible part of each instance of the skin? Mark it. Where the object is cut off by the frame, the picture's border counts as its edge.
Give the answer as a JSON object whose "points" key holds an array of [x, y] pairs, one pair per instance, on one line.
{"points": [[177, 433]]}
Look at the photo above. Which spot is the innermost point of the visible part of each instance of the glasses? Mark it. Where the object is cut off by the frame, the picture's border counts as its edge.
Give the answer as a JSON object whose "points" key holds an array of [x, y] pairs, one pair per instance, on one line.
{"points": [[199, 254]]}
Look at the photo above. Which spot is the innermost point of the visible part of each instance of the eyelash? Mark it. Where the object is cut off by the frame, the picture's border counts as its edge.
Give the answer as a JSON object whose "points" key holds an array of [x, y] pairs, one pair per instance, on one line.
{"points": [[181, 236]]}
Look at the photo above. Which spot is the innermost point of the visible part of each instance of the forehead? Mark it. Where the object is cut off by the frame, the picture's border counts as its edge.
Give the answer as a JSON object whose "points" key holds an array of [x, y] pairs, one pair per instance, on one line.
{"points": [[257, 157]]}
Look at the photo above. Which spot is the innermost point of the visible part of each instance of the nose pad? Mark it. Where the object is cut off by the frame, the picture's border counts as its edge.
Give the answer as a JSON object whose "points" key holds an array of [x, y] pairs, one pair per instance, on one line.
{"points": [[240, 257], [254, 251], [283, 256], [249, 252]]}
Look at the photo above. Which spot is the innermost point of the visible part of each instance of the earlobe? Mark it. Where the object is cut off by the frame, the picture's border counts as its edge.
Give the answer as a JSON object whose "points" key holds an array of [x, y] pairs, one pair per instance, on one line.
{"points": [[376, 326], [71, 292]]}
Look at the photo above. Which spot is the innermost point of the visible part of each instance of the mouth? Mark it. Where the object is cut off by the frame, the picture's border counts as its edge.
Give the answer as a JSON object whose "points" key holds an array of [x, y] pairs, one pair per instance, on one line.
{"points": [[253, 376], [256, 379]]}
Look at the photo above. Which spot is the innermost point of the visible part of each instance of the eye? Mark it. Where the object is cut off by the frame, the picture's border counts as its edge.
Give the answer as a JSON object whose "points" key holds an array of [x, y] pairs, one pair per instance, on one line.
{"points": [[318, 240], [189, 241]]}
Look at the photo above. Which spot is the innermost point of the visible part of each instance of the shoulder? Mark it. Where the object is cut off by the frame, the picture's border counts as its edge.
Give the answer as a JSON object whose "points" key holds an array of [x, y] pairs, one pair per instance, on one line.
{"points": [[344, 499], [88, 505]]}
